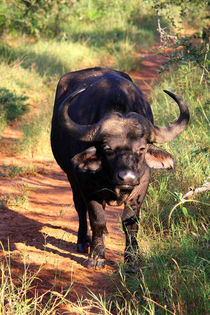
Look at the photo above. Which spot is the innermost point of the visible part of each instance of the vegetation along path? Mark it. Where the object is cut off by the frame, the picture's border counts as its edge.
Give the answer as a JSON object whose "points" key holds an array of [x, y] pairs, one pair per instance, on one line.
{"points": [[39, 220]]}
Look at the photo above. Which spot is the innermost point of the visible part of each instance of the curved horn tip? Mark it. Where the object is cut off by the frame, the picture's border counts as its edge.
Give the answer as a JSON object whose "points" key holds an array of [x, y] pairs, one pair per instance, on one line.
{"points": [[166, 134], [170, 93], [174, 96]]}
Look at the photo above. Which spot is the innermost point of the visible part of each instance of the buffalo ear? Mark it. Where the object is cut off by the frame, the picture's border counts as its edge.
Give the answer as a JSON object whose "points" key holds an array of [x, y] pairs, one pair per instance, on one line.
{"points": [[159, 158], [87, 160]]}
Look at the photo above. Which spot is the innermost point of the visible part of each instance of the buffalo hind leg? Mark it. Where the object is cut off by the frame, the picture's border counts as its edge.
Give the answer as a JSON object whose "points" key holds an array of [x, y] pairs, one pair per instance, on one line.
{"points": [[98, 226], [130, 228], [84, 239]]}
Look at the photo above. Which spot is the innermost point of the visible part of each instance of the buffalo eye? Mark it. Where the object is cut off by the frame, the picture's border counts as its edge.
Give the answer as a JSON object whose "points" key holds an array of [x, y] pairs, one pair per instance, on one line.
{"points": [[141, 150]]}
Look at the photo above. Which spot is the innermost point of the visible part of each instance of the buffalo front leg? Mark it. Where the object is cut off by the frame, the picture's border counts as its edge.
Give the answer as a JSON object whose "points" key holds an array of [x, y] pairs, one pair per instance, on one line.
{"points": [[130, 217], [84, 240], [98, 225]]}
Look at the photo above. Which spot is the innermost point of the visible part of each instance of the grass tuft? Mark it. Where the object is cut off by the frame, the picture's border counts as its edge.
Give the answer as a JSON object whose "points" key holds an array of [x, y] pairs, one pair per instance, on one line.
{"points": [[19, 293]]}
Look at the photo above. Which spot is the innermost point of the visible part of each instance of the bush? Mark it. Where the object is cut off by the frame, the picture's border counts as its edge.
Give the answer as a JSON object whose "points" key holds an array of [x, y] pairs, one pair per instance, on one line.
{"points": [[33, 17], [11, 105]]}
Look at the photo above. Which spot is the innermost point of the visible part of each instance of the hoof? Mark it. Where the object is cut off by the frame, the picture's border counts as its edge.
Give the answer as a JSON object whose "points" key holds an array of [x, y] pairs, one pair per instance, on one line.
{"points": [[83, 248], [96, 263]]}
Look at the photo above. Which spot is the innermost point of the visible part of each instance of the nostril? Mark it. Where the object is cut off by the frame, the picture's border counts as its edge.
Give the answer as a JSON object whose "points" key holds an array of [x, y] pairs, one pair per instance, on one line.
{"points": [[127, 176], [120, 175]]}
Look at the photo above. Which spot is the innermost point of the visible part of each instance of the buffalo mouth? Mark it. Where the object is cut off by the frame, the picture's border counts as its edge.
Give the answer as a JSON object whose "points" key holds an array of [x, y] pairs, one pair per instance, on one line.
{"points": [[125, 187], [123, 190]]}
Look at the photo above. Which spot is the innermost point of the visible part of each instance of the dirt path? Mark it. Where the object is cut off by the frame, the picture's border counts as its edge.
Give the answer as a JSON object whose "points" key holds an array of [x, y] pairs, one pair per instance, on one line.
{"points": [[41, 224]]}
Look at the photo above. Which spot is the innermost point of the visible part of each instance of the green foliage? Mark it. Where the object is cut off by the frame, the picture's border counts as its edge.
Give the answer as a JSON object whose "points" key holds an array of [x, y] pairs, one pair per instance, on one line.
{"points": [[11, 105], [194, 50], [183, 13], [34, 17], [3, 18], [71, 19]]}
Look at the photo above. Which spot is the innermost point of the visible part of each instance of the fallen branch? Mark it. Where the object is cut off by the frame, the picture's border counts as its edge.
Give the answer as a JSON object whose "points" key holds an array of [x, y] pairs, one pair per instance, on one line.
{"points": [[204, 187]]}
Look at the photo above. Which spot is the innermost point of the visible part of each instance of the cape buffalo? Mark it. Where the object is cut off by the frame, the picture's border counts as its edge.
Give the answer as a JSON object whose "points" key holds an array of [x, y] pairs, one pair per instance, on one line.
{"points": [[102, 137]]}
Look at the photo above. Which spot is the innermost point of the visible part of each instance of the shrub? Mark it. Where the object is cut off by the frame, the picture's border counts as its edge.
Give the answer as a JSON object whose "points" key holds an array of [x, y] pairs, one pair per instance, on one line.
{"points": [[11, 105]]}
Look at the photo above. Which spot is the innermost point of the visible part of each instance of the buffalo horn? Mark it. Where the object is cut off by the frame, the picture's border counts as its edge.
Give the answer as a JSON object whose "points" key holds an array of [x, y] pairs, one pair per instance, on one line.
{"points": [[80, 132], [166, 134]]}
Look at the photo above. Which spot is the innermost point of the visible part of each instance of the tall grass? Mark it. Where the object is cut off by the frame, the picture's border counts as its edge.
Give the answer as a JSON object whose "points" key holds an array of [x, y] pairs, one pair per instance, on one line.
{"points": [[170, 278], [170, 275]]}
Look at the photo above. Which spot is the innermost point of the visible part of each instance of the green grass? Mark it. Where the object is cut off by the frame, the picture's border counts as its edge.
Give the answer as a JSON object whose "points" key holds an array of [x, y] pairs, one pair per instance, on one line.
{"points": [[19, 293], [170, 278], [170, 275], [172, 270], [11, 107]]}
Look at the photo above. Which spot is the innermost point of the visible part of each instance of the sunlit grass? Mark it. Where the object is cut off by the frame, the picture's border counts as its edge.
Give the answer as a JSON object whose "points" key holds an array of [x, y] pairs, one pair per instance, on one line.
{"points": [[19, 293], [33, 69], [170, 277], [170, 274]]}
